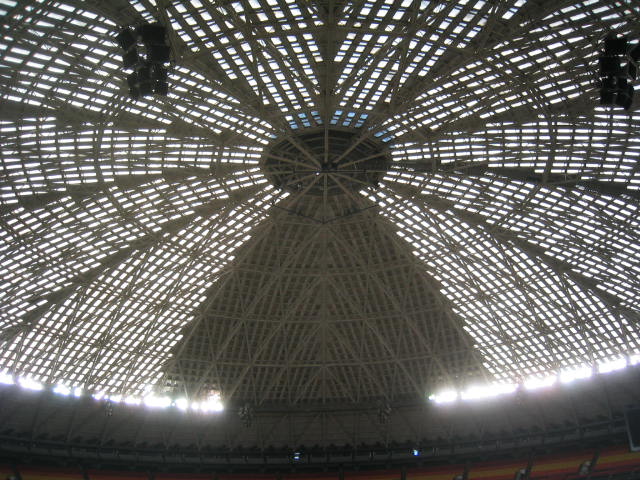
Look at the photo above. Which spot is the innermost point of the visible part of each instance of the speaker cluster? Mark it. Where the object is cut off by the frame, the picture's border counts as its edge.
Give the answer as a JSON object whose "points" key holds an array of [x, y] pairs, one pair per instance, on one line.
{"points": [[145, 50], [618, 70]]}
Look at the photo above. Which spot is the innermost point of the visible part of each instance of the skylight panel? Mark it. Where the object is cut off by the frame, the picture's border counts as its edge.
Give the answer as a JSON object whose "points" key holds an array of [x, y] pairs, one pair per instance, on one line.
{"points": [[130, 321], [579, 247], [516, 193], [137, 208], [255, 59]]}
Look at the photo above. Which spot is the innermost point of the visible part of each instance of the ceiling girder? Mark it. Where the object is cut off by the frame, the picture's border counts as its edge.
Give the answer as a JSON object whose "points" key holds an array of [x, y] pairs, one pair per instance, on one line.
{"points": [[82, 192], [526, 175], [110, 262], [568, 181], [565, 111], [123, 14], [496, 32], [504, 235]]}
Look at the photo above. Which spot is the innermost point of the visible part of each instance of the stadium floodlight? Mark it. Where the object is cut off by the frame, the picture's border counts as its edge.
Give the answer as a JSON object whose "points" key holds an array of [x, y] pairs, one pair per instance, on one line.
{"points": [[6, 378]]}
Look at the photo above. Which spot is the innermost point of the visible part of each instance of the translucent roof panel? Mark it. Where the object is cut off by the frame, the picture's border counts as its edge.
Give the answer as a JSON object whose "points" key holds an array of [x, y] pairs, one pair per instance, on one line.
{"points": [[419, 194]]}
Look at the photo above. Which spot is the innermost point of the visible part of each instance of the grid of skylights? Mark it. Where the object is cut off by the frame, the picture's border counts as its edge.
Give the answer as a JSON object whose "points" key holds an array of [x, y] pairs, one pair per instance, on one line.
{"points": [[517, 192]]}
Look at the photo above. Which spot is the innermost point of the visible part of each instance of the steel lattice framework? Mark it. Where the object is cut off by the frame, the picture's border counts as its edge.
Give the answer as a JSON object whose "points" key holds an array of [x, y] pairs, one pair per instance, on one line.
{"points": [[338, 201]]}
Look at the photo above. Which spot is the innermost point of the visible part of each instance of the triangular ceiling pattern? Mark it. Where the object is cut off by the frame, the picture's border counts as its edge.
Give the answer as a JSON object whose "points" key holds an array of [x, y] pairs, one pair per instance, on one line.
{"points": [[326, 312]]}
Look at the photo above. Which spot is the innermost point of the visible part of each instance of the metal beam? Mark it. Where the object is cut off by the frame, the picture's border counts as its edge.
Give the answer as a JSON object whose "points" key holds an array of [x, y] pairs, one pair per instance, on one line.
{"points": [[82, 192], [110, 262], [560, 267], [524, 174], [494, 33]]}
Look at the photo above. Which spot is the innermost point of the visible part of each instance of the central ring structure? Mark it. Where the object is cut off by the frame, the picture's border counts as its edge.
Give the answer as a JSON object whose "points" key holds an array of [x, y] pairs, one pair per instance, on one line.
{"points": [[326, 162]]}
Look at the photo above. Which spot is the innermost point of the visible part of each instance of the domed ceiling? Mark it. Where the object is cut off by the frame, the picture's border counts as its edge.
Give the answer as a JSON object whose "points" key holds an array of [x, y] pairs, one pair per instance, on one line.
{"points": [[337, 202]]}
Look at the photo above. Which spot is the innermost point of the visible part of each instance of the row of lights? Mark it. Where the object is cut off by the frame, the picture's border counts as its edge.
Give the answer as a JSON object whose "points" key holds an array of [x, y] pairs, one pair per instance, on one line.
{"points": [[212, 404], [481, 392], [618, 69]]}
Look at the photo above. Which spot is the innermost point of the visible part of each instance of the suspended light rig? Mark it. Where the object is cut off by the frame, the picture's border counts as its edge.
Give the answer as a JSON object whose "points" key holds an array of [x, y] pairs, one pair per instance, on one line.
{"points": [[145, 51]]}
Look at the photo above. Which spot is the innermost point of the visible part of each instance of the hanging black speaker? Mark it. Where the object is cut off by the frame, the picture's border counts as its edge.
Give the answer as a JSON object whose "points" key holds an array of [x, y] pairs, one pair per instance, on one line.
{"points": [[130, 59], [607, 97], [631, 71], [152, 34], [161, 88], [132, 81], [126, 39], [158, 72], [149, 76], [609, 66], [624, 98], [145, 83], [614, 45], [158, 53], [634, 53]]}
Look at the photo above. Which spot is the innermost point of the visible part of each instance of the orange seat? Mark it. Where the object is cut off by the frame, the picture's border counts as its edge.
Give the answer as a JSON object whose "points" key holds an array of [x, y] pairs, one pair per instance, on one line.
{"points": [[311, 476], [552, 466], [617, 458], [109, 475], [374, 475], [496, 470], [33, 473], [436, 473]]}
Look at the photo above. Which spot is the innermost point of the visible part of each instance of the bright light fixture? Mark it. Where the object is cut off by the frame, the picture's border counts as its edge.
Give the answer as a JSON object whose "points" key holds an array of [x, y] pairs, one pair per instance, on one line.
{"points": [[535, 383], [30, 384], [576, 373], [612, 365], [132, 400], [445, 396], [6, 378], [477, 392], [156, 401], [99, 395], [62, 389], [211, 404]]}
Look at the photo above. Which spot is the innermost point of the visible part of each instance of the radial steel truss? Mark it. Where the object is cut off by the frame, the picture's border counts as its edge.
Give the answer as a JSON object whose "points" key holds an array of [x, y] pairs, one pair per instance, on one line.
{"points": [[338, 201]]}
